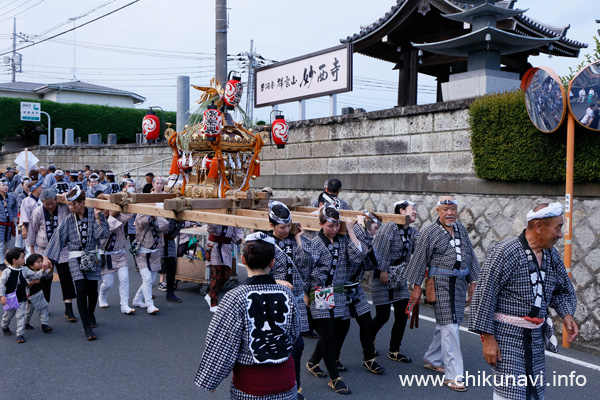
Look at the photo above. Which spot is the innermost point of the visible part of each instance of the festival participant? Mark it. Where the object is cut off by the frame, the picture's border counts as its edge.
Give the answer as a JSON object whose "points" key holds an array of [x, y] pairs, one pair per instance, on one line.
{"points": [[332, 189], [29, 204], [253, 331], [394, 245], [444, 252], [21, 195], [14, 280], [8, 215], [149, 183], [112, 251], [43, 222], [130, 226], [61, 186], [13, 179], [336, 258], [81, 232], [95, 188], [49, 178], [169, 259], [356, 300], [520, 278], [149, 234], [221, 240], [292, 269], [113, 187]]}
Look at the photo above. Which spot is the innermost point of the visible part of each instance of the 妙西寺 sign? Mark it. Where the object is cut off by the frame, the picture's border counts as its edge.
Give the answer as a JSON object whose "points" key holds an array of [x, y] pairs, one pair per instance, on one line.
{"points": [[314, 75]]}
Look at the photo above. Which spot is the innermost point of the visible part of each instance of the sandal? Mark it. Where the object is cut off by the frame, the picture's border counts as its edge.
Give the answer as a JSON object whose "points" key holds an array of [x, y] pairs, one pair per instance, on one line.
{"points": [[373, 367], [434, 368], [315, 370], [454, 385], [338, 386], [340, 367], [397, 356]]}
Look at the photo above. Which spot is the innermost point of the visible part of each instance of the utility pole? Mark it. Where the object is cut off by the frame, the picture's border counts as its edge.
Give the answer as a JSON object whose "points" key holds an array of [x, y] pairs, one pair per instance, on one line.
{"points": [[221, 41], [15, 61]]}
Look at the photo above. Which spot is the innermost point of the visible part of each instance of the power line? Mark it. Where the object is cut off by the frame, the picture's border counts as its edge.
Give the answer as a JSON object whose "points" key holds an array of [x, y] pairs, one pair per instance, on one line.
{"points": [[74, 28]]}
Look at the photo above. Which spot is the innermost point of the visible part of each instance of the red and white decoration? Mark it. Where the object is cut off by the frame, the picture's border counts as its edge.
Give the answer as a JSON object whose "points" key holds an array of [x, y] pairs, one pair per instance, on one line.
{"points": [[279, 131], [212, 123], [233, 92], [151, 126]]}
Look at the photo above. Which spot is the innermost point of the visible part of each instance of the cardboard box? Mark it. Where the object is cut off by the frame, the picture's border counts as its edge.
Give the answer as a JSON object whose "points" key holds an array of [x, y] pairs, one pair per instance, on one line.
{"points": [[190, 269]]}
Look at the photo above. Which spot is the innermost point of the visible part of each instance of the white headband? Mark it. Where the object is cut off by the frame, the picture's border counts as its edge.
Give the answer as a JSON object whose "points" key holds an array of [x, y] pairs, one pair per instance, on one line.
{"points": [[372, 217], [330, 219], [274, 217], [260, 236], [410, 203], [76, 195], [447, 202], [553, 210], [331, 201]]}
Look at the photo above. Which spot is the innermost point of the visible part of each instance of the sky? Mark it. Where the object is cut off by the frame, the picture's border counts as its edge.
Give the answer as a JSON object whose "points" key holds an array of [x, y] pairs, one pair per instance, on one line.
{"points": [[144, 47]]}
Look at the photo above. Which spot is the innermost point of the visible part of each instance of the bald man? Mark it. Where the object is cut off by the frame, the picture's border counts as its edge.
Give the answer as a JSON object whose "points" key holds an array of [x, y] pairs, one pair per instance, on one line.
{"points": [[521, 277], [444, 252]]}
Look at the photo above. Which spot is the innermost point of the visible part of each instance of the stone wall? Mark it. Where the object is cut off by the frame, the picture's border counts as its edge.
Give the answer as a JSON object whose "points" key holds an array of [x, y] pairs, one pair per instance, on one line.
{"points": [[415, 153]]}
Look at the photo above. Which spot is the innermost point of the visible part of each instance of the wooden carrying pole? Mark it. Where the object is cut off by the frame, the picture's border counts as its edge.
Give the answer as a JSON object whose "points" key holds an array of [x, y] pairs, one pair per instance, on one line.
{"points": [[568, 225]]}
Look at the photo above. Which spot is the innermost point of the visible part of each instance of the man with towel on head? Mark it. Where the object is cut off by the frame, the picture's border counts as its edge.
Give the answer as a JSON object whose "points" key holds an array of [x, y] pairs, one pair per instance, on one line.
{"points": [[520, 278], [444, 253]]}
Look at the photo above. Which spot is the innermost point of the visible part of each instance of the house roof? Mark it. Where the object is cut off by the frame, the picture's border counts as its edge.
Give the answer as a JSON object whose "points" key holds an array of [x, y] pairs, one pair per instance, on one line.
{"points": [[522, 24], [74, 86]]}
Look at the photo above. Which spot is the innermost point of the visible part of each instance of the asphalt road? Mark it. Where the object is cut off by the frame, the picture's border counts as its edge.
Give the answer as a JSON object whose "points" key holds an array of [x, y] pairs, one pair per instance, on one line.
{"points": [[156, 357]]}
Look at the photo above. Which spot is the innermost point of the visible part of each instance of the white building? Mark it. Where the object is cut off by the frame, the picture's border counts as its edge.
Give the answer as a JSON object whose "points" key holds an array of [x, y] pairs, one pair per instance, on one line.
{"points": [[72, 92]]}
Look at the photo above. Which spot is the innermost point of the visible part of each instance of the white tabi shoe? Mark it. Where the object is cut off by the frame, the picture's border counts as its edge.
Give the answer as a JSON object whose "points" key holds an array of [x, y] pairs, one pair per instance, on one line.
{"points": [[102, 302], [138, 304], [214, 309], [152, 310], [207, 298], [127, 310]]}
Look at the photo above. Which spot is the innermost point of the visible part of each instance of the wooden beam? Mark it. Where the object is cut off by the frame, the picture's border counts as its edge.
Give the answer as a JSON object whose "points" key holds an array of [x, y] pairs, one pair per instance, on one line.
{"points": [[205, 204], [98, 203], [228, 220], [307, 221], [142, 197], [395, 218]]}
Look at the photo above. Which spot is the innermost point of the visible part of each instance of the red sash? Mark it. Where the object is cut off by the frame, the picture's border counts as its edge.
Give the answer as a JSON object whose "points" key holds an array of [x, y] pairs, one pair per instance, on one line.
{"points": [[265, 379]]}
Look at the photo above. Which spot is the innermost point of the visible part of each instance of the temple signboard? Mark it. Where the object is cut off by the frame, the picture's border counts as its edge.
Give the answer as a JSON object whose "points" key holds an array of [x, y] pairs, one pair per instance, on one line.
{"points": [[314, 75]]}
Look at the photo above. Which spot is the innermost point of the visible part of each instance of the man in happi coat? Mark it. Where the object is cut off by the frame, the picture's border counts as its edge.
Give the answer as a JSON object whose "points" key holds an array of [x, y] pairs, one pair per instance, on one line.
{"points": [[444, 253], [521, 277], [8, 216]]}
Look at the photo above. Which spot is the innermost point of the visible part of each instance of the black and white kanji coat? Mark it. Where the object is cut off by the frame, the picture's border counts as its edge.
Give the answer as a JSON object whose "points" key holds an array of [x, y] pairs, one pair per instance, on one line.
{"points": [[389, 245], [433, 249], [149, 233], [369, 263], [301, 264], [504, 287], [256, 323], [66, 235], [114, 244], [37, 236], [350, 258]]}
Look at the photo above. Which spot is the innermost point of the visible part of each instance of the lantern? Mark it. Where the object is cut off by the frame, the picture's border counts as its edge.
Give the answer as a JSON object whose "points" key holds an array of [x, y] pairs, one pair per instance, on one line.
{"points": [[212, 122], [151, 126], [279, 130], [233, 92]]}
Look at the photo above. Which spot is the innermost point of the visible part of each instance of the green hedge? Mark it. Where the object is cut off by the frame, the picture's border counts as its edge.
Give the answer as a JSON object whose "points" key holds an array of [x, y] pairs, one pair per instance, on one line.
{"points": [[507, 147], [83, 118]]}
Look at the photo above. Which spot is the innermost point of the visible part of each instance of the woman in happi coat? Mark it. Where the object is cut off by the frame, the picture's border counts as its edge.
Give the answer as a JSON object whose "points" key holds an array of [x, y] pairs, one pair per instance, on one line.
{"points": [[81, 231], [292, 269], [356, 299], [394, 245], [22, 194], [130, 225], [29, 204], [115, 261], [337, 258], [43, 222], [149, 234], [253, 331]]}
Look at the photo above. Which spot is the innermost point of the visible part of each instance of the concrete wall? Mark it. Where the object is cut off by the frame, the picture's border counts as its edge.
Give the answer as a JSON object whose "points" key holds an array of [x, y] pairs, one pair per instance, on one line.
{"points": [[416, 153], [66, 96]]}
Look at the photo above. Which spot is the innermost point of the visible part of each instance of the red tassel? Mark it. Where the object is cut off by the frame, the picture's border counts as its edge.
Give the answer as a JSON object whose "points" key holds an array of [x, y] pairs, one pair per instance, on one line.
{"points": [[174, 167], [256, 171], [213, 173]]}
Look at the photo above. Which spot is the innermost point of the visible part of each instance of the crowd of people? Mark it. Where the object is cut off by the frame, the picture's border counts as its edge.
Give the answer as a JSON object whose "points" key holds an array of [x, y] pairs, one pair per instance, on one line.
{"points": [[296, 283], [300, 284], [85, 246]]}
